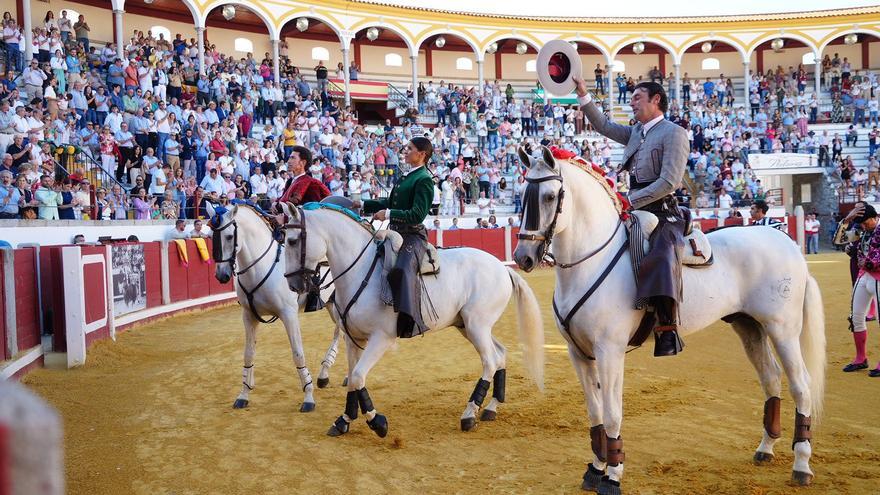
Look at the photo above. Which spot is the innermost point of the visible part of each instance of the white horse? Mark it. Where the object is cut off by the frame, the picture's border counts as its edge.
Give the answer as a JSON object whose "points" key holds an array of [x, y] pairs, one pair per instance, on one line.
{"points": [[758, 282], [470, 292], [244, 245]]}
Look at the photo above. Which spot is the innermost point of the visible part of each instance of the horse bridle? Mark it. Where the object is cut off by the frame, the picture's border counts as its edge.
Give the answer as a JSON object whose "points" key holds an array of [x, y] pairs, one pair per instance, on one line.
{"points": [[307, 274], [217, 254], [312, 282], [547, 237]]}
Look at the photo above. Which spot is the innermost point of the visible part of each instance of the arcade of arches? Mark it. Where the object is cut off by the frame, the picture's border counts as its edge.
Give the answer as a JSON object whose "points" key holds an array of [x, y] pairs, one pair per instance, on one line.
{"points": [[404, 45]]}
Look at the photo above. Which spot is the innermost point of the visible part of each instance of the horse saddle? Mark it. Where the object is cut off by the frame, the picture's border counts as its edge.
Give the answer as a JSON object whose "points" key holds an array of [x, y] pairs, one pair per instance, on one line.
{"points": [[697, 251], [391, 242]]}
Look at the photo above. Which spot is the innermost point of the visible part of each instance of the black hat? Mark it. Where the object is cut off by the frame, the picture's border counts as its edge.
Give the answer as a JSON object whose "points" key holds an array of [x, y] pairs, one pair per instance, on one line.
{"points": [[870, 212]]}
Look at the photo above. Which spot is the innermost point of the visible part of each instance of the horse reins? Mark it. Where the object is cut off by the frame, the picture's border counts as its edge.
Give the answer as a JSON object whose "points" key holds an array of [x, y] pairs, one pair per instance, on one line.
{"points": [[308, 274]]}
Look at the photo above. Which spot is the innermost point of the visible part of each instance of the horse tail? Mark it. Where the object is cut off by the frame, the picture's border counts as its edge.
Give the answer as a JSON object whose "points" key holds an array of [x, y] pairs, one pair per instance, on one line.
{"points": [[531, 328], [813, 345]]}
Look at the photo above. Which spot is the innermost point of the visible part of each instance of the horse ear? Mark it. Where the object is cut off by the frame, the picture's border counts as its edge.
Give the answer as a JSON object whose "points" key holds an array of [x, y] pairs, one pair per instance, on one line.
{"points": [[209, 207], [285, 209], [524, 157], [548, 157]]}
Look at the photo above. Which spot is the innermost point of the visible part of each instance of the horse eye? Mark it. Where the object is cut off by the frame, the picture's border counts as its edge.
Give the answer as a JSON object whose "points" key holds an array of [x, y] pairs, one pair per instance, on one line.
{"points": [[292, 242], [229, 237], [550, 197]]}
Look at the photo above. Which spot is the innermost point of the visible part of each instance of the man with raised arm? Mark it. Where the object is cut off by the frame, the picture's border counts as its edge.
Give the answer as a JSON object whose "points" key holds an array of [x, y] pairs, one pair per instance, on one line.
{"points": [[656, 155]]}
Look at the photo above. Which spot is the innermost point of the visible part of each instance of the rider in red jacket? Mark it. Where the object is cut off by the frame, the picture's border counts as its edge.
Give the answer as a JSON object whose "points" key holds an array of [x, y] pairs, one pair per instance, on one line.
{"points": [[301, 188]]}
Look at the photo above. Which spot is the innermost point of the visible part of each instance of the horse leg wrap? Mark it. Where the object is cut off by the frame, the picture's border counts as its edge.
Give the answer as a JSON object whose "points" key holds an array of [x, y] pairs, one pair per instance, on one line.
{"points": [[802, 429], [772, 424], [598, 443], [364, 399], [614, 449], [499, 381], [480, 392], [351, 405]]}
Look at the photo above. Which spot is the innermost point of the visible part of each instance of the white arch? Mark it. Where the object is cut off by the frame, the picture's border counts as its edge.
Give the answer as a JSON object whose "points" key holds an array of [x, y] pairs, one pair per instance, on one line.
{"points": [[791, 36], [666, 46], [251, 6], [739, 48], [605, 53], [405, 37], [516, 37], [824, 45], [310, 15], [463, 37]]}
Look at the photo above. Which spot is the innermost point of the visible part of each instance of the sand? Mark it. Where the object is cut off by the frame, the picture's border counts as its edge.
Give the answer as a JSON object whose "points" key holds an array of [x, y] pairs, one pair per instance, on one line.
{"points": [[152, 414]]}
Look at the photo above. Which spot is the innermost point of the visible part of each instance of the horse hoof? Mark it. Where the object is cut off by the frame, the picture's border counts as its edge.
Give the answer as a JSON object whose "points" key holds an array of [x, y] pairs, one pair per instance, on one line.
{"points": [[801, 478], [763, 458], [323, 382], [307, 407], [488, 415], [609, 487], [592, 479], [379, 424], [340, 427], [468, 424], [345, 382], [240, 404]]}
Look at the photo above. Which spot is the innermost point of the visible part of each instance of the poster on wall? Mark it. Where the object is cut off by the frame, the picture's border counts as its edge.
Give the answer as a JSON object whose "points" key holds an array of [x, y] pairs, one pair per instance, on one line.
{"points": [[129, 278]]}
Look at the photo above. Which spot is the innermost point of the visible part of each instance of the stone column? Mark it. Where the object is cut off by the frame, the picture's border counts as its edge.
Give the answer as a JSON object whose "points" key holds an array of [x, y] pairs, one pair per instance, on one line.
{"points": [[276, 60], [28, 30], [480, 77], [746, 83], [818, 74], [609, 72], [200, 37], [415, 80], [118, 30], [677, 68], [346, 76]]}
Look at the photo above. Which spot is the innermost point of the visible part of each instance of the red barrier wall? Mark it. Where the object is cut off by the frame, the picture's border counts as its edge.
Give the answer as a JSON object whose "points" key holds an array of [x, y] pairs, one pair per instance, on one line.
{"points": [[52, 285], [199, 274], [3, 353], [153, 272], [214, 286], [27, 316], [95, 293], [432, 237], [178, 278], [471, 238], [492, 241], [452, 238]]}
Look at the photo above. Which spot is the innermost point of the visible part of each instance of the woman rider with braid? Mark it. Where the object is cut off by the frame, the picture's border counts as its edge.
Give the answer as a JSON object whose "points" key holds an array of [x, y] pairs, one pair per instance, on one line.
{"points": [[407, 207]]}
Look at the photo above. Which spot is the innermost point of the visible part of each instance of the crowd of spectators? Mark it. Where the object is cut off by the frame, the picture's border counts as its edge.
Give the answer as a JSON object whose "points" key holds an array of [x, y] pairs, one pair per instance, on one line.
{"points": [[172, 136]]}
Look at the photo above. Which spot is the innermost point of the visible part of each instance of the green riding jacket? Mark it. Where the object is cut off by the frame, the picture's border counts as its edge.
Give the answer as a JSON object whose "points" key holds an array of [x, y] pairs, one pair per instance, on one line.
{"points": [[409, 201]]}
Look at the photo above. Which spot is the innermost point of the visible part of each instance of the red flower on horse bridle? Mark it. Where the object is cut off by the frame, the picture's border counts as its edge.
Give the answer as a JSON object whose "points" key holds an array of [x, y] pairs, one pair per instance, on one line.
{"points": [[561, 154]]}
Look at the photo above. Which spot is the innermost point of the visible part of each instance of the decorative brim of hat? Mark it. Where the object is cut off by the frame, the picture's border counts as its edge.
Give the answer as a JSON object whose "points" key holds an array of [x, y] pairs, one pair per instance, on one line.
{"points": [[558, 61]]}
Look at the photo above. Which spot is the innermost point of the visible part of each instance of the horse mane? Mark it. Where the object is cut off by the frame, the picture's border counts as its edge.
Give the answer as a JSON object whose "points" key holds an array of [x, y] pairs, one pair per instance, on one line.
{"points": [[267, 219], [621, 204], [351, 215]]}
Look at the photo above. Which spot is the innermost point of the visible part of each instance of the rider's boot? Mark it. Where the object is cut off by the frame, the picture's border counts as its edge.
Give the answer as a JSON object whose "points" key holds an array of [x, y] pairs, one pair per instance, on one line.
{"points": [[666, 339]]}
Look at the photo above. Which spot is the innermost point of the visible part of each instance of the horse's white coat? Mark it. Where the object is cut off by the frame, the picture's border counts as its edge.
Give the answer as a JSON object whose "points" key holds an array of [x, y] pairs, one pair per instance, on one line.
{"points": [[470, 292], [757, 271], [272, 299]]}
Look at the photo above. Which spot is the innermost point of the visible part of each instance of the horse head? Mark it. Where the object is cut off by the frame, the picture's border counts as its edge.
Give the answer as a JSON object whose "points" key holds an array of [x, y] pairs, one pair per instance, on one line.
{"points": [[224, 234], [304, 249], [543, 215]]}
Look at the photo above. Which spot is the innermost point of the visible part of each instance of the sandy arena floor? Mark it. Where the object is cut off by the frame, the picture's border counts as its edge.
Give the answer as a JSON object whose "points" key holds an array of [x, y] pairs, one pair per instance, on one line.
{"points": [[152, 414]]}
